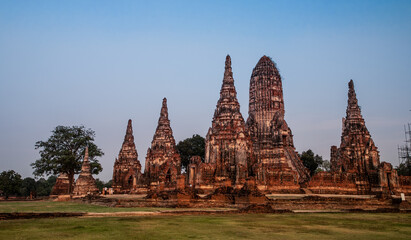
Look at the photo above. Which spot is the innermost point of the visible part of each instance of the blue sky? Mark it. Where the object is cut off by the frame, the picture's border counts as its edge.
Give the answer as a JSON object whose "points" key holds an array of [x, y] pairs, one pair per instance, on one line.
{"points": [[100, 63]]}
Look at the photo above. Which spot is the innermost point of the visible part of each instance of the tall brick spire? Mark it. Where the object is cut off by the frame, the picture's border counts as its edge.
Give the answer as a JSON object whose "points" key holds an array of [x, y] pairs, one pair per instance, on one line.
{"points": [[163, 129], [266, 90], [228, 74], [357, 152], [127, 167], [163, 160], [271, 136], [228, 147], [357, 155], [353, 110], [228, 103], [266, 109], [85, 168], [129, 138], [128, 150]]}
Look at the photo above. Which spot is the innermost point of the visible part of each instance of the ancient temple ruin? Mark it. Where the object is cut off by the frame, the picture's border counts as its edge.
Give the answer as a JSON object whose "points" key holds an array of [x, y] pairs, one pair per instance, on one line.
{"points": [[278, 166], [163, 163], [355, 165], [245, 162], [257, 155], [357, 152], [127, 167], [85, 183], [62, 185], [228, 148]]}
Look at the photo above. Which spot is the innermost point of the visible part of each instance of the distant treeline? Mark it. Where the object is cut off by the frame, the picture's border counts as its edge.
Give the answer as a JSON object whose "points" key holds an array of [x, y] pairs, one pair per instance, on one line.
{"points": [[11, 184]]}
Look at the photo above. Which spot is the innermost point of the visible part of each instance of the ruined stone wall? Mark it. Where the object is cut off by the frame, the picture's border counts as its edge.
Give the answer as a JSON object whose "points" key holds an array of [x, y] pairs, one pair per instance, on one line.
{"points": [[332, 183]]}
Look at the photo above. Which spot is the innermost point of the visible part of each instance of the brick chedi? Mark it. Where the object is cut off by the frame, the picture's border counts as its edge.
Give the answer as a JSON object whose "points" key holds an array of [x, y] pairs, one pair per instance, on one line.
{"points": [[357, 152], [163, 163], [127, 167], [357, 155], [62, 185], [228, 148], [278, 166], [85, 183]]}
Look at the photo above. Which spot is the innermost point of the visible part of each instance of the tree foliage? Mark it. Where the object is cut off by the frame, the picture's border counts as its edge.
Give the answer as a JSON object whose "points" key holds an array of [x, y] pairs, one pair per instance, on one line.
{"points": [[63, 152], [101, 184], [194, 146], [28, 186], [10, 183], [404, 169], [311, 161], [325, 166], [41, 187]]}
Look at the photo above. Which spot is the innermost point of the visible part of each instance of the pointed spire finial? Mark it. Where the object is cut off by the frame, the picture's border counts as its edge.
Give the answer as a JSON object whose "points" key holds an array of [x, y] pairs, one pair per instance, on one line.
{"points": [[351, 85], [86, 155], [129, 130], [265, 60], [352, 97], [227, 62], [164, 110], [353, 110], [228, 73], [129, 138]]}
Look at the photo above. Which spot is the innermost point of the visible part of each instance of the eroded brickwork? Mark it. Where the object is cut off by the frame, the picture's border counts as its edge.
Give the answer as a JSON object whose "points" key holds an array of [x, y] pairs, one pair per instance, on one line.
{"points": [[357, 152], [242, 159], [357, 160], [127, 167], [228, 148], [278, 164], [62, 185], [163, 163], [85, 183]]}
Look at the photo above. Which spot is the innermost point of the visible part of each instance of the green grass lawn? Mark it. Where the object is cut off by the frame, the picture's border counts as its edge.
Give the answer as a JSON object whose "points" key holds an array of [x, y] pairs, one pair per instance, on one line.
{"points": [[234, 226], [50, 206], [231, 226]]}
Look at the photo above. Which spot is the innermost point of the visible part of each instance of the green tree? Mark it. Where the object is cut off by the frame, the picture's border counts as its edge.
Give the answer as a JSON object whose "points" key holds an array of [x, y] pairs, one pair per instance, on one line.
{"points": [[311, 161], [42, 187], [63, 152], [99, 184], [194, 146], [108, 184], [51, 181], [325, 166], [28, 186], [10, 183], [404, 169]]}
